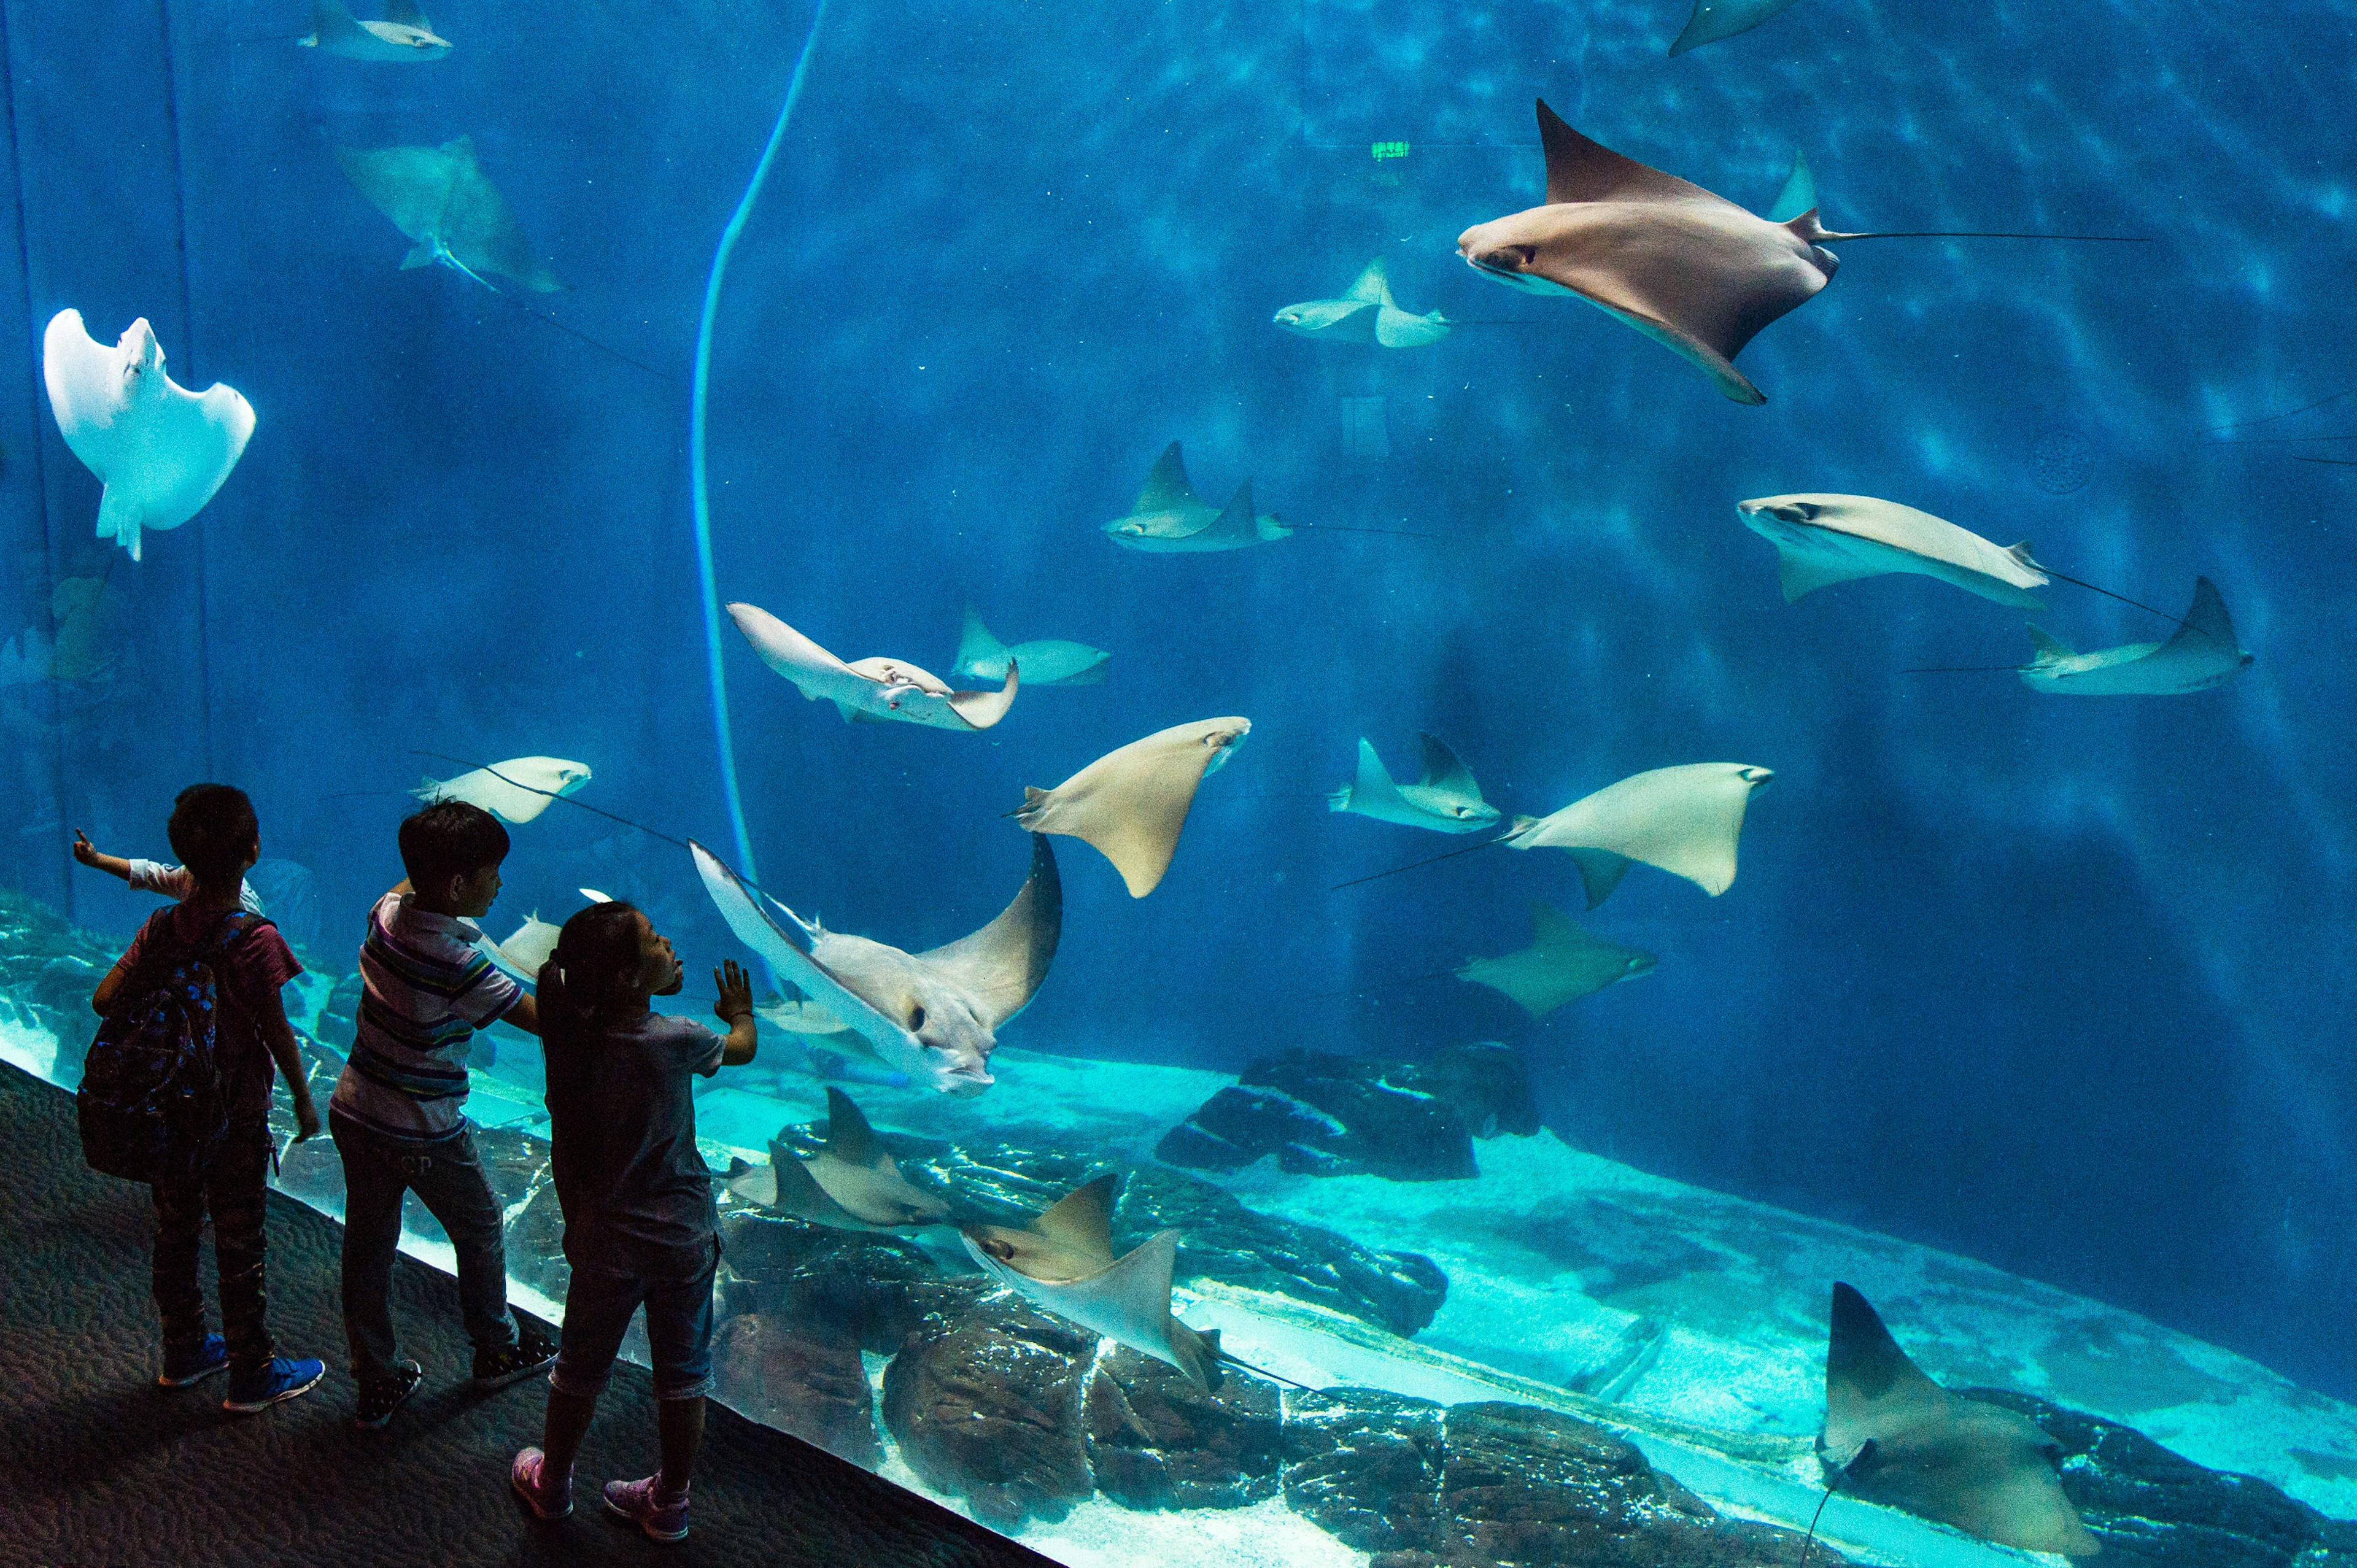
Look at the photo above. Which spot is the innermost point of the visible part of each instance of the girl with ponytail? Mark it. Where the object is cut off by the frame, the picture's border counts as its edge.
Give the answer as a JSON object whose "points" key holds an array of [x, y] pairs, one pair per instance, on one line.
{"points": [[639, 1225]]}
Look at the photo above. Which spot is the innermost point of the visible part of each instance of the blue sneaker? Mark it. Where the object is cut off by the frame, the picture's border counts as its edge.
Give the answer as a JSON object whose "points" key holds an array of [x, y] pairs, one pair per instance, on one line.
{"points": [[182, 1368], [280, 1378]]}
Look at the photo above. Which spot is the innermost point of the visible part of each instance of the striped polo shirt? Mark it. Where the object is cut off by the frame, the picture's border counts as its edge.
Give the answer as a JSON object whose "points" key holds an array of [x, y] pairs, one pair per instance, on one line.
{"points": [[426, 988]]}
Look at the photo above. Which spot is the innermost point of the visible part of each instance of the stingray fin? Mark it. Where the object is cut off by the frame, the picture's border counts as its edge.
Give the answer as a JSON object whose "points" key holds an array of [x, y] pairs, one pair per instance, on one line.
{"points": [[1371, 286], [1236, 520], [419, 256], [1600, 870], [1799, 195], [2206, 620], [976, 647], [1443, 770], [1872, 1388], [1579, 169], [1081, 1221], [1005, 962], [2020, 554], [1551, 927], [981, 710], [1799, 575], [849, 1138], [1371, 785], [1166, 488], [759, 1184], [2049, 647], [1396, 328]]}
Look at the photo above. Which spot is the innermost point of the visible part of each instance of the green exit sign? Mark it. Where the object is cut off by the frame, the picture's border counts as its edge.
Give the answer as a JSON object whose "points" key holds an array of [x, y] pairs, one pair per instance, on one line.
{"points": [[1385, 151]]}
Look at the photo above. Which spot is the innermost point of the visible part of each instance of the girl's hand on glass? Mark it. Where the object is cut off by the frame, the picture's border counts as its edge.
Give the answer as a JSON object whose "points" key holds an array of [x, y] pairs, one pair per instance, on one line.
{"points": [[736, 988]]}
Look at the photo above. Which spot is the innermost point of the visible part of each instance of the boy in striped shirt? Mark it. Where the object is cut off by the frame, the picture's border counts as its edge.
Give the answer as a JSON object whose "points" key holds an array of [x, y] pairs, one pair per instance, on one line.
{"points": [[398, 1114]]}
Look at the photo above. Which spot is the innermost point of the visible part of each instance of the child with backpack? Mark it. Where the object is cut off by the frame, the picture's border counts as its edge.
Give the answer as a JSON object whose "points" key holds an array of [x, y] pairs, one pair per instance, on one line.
{"points": [[398, 1114], [639, 1224], [193, 1009]]}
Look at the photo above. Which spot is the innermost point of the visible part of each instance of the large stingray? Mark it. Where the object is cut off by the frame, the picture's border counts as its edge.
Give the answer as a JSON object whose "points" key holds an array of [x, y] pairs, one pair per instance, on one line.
{"points": [[517, 790], [1365, 314], [1562, 965], [1686, 820], [1690, 270], [934, 1016], [1716, 19], [2202, 654], [876, 689], [161, 450], [851, 1184], [1132, 802], [1893, 1436], [1169, 516], [1446, 800], [402, 37], [1063, 1262], [1046, 661], [442, 200], [1826, 538]]}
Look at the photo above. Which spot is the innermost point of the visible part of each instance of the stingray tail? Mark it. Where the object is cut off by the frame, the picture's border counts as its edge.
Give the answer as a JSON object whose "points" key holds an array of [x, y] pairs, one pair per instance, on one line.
{"points": [[1411, 865], [1228, 1358]]}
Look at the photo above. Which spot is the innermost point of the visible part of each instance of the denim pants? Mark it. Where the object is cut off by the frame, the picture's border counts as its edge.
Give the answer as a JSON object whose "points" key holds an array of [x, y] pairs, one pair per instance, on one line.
{"points": [[447, 1178], [598, 1303], [231, 1186]]}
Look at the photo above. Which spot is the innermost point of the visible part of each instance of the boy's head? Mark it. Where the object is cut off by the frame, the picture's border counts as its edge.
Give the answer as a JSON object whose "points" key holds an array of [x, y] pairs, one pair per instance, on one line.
{"points": [[452, 851], [214, 832]]}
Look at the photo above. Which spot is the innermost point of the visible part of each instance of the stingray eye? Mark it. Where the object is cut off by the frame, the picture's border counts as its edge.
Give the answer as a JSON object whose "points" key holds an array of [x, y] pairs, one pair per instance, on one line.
{"points": [[916, 1019]]}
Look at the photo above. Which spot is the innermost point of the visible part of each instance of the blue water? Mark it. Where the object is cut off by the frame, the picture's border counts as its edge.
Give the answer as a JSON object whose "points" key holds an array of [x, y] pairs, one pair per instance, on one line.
{"points": [[2064, 986]]}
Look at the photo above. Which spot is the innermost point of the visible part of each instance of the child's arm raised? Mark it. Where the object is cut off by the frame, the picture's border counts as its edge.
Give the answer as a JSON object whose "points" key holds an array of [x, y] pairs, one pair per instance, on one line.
{"points": [[90, 854], [735, 1009]]}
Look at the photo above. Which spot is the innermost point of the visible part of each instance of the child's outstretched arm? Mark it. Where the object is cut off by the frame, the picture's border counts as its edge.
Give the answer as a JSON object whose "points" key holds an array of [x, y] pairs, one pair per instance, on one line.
{"points": [[90, 854], [735, 1009]]}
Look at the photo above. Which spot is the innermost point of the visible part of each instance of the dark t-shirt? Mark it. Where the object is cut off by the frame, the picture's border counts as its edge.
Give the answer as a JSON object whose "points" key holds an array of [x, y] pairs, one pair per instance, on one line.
{"points": [[257, 965], [643, 1200]]}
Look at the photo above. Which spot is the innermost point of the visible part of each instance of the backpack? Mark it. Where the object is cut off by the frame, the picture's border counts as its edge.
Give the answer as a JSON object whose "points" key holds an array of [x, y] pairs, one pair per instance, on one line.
{"points": [[152, 1105]]}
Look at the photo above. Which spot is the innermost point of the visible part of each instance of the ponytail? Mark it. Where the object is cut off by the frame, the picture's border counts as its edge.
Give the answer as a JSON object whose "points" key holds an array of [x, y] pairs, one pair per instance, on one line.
{"points": [[590, 981]]}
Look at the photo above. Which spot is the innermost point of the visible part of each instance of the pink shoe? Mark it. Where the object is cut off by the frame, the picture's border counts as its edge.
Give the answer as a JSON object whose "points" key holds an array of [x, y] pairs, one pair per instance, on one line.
{"points": [[528, 1476], [648, 1506]]}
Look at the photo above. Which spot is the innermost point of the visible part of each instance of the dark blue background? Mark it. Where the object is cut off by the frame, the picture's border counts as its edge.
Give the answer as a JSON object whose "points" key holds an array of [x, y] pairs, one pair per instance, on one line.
{"points": [[2064, 985]]}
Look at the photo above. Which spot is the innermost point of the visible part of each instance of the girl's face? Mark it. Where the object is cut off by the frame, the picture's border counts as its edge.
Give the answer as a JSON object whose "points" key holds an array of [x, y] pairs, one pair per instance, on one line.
{"points": [[659, 967]]}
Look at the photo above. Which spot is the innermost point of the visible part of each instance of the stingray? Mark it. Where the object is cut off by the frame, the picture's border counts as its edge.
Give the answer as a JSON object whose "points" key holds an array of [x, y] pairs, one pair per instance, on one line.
{"points": [[1365, 314], [1170, 515], [403, 36], [2202, 654], [1562, 965], [531, 947], [1050, 661], [1690, 270], [877, 689], [851, 1184], [1685, 820], [1131, 803], [1716, 19], [1063, 1263], [1893, 1436], [932, 1015], [1446, 800], [1826, 538], [442, 200], [161, 450], [516, 791]]}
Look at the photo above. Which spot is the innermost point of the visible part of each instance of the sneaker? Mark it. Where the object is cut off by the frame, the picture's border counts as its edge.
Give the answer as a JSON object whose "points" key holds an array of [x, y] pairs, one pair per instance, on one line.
{"points": [[644, 1504], [380, 1397], [529, 1477], [194, 1365], [533, 1352], [280, 1378]]}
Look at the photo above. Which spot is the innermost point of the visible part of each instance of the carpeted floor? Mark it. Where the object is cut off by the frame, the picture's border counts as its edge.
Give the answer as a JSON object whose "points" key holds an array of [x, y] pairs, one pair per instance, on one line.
{"points": [[100, 1468]]}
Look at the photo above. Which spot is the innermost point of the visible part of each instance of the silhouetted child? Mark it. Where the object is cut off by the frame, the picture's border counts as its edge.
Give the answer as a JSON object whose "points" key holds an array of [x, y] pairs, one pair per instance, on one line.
{"points": [[214, 832], [398, 1114], [154, 876], [639, 1225]]}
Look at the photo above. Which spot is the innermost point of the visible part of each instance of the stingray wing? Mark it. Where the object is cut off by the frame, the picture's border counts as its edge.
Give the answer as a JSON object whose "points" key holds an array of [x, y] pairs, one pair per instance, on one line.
{"points": [[187, 444], [1131, 805], [84, 378], [1716, 19], [1166, 488], [1001, 965], [1687, 821], [1396, 328], [1079, 1224], [1873, 1392], [979, 653], [1443, 771], [819, 675], [753, 928], [980, 710], [1579, 169], [1127, 1302], [1372, 288], [1372, 793], [1800, 193], [480, 228], [2208, 630], [410, 186]]}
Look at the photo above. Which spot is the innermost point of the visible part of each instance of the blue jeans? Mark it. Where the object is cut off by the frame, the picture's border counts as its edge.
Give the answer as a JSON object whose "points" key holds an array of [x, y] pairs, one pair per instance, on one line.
{"points": [[598, 1308]]}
